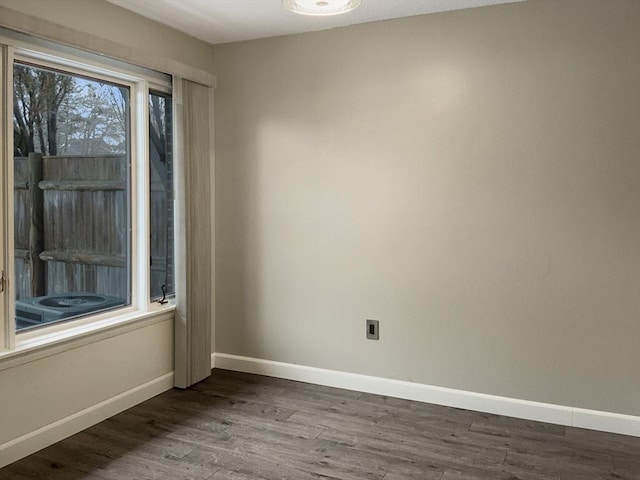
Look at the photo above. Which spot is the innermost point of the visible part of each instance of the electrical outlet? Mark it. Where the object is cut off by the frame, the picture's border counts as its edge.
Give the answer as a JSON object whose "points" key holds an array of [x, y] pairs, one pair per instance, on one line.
{"points": [[373, 330]]}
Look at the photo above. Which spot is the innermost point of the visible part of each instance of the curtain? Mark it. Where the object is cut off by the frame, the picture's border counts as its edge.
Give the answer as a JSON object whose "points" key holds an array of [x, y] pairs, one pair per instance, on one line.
{"points": [[194, 246]]}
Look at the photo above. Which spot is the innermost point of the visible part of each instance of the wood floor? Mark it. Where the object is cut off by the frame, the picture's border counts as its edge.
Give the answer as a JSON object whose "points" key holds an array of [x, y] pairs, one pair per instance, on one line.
{"points": [[246, 427]]}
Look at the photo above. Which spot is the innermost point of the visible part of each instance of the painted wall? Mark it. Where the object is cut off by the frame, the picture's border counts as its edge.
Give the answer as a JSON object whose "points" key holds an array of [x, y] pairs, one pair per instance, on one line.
{"points": [[83, 376], [105, 20], [470, 179]]}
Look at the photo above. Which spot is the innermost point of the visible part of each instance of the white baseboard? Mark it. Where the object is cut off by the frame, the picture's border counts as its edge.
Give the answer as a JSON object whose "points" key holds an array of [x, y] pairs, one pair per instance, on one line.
{"points": [[49, 434], [511, 407]]}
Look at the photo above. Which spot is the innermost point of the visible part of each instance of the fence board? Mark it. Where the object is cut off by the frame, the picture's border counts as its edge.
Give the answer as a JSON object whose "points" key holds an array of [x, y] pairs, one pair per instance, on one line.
{"points": [[36, 228], [85, 258], [91, 185], [104, 167]]}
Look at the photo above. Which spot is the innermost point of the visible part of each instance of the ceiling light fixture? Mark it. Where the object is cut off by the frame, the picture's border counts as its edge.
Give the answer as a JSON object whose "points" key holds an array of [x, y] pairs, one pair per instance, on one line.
{"points": [[321, 7]]}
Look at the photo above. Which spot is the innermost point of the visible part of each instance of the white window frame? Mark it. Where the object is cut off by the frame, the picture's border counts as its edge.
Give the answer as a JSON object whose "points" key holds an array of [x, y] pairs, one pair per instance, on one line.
{"points": [[140, 81]]}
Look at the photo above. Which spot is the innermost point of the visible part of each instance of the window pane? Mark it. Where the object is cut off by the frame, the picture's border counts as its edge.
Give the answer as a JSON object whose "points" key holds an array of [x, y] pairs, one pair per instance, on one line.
{"points": [[161, 211], [72, 200]]}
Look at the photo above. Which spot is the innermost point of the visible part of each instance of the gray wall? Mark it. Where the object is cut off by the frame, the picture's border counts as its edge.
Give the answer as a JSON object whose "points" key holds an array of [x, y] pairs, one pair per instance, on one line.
{"points": [[471, 179], [110, 25]]}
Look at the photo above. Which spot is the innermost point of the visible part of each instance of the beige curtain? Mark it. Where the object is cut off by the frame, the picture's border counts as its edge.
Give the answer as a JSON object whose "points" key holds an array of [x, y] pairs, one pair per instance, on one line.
{"points": [[194, 286]]}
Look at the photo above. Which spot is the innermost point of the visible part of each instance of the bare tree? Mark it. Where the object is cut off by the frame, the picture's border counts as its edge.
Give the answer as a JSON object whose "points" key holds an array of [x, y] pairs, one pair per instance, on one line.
{"points": [[159, 111], [55, 88], [37, 96], [25, 108], [96, 119]]}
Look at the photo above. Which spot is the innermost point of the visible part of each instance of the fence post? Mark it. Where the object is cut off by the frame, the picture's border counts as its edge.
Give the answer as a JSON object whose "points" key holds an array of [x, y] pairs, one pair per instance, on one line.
{"points": [[36, 228]]}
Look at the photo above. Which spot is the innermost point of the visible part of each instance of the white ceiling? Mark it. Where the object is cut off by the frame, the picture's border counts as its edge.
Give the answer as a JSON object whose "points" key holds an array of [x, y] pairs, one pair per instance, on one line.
{"points": [[222, 21]]}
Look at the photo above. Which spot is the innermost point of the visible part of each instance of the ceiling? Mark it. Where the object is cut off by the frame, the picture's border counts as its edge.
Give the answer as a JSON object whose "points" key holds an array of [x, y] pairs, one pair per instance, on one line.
{"points": [[223, 21]]}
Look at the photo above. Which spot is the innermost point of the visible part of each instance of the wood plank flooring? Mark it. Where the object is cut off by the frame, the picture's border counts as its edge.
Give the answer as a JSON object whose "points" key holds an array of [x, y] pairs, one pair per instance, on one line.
{"points": [[236, 426]]}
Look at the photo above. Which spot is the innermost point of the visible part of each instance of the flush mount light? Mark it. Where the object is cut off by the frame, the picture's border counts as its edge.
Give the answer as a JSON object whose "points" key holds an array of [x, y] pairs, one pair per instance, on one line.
{"points": [[321, 7]]}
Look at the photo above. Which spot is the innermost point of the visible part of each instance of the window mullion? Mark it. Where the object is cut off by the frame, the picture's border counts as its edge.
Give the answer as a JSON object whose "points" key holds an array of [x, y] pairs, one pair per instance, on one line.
{"points": [[140, 234]]}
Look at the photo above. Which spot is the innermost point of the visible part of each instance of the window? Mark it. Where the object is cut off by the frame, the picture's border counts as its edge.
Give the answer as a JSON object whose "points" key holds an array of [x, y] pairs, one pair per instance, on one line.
{"points": [[71, 196], [161, 198], [92, 166]]}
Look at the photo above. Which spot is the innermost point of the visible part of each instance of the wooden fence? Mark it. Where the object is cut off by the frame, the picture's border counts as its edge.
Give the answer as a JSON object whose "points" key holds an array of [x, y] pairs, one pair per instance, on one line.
{"points": [[71, 225]]}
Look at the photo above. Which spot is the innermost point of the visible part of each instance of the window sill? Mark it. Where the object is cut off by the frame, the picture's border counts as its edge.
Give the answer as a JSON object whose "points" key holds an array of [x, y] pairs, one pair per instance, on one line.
{"points": [[33, 346]]}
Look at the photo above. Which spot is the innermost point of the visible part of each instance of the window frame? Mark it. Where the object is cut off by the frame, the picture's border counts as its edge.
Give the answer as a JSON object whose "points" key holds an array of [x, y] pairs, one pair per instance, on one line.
{"points": [[6, 168], [15, 46]]}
